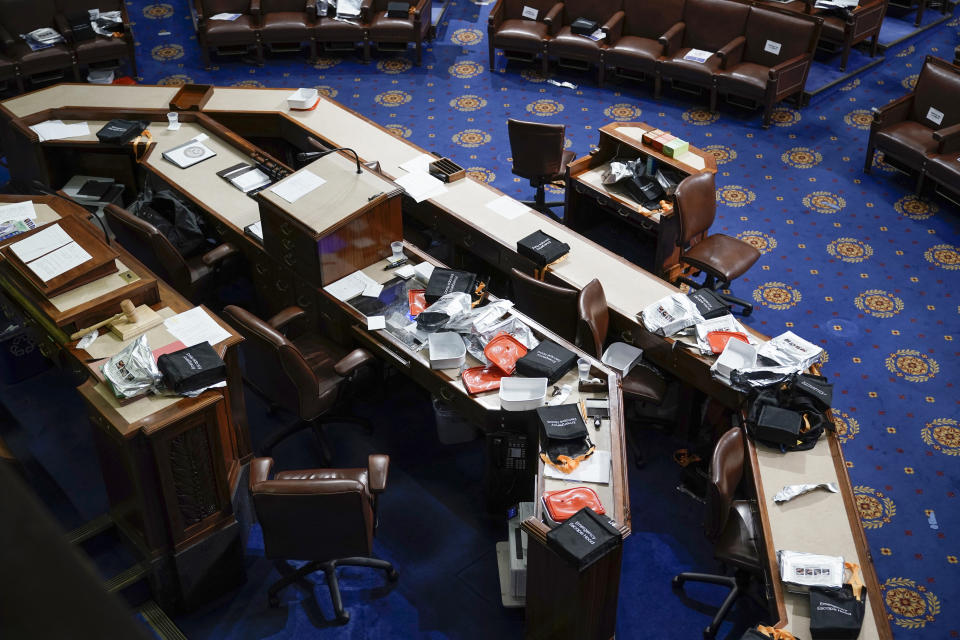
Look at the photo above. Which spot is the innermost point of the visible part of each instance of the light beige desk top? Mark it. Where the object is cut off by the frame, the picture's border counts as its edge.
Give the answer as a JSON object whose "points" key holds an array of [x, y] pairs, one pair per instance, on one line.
{"points": [[89, 95], [790, 522]]}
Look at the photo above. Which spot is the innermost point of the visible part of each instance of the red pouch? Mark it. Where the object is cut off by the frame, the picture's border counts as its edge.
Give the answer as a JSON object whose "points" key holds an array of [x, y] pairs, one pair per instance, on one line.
{"points": [[563, 503], [480, 379], [504, 351], [719, 339], [418, 301]]}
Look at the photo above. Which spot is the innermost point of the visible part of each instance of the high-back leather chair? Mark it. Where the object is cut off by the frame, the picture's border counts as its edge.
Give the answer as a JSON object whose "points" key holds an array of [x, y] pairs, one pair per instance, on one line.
{"points": [[415, 27], [228, 37], [192, 277], [325, 516], [24, 16], [567, 45], [333, 34], [730, 525], [635, 46], [539, 156], [552, 306], [721, 257], [297, 371], [863, 23], [510, 30], [286, 24], [642, 384], [906, 129], [99, 50]]}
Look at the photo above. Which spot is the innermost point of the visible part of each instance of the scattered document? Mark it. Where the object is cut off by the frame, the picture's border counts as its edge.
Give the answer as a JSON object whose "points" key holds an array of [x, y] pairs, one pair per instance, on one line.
{"points": [[596, 469], [376, 322], [229, 17], [697, 55], [421, 186], [195, 326], [420, 163], [351, 286], [59, 261], [255, 229], [250, 180], [633, 132], [508, 207], [40, 243], [406, 271], [57, 130], [18, 211], [189, 153], [298, 185]]}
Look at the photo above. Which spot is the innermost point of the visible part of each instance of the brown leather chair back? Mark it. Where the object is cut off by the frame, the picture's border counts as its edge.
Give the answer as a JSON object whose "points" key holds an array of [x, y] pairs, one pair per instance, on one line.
{"points": [[594, 318], [537, 148], [726, 471], [649, 19], [277, 6], [938, 86], [599, 10], [552, 306], [313, 519], [710, 24], [23, 16], [275, 367], [696, 203], [150, 247], [213, 7], [794, 33]]}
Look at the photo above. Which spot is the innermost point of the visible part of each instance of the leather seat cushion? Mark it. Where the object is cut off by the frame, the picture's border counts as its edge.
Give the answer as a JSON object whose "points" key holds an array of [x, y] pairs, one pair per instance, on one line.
{"points": [[567, 157], [746, 79], [49, 59], [634, 52], [700, 73], [520, 35], [567, 44], [226, 32], [384, 26], [285, 26], [328, 29], [101, 48], [908, 141], [360, 475], [833, 28], [722, 255], [643, 384], [737, 544], [945, 168]]}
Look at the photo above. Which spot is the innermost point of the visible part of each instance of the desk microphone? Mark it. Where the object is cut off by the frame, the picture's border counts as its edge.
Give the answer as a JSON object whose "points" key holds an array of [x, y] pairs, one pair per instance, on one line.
{"points": [[308, 156]]}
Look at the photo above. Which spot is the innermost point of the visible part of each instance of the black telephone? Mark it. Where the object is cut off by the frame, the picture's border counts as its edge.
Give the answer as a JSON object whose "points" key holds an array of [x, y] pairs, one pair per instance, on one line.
{"points": [[511, 460], [509, 450]]}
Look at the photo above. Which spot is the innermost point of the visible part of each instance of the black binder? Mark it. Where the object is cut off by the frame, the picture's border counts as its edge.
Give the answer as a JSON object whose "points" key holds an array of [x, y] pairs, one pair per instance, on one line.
{"points": [[548, 360], [542, 249], [584, 538]]}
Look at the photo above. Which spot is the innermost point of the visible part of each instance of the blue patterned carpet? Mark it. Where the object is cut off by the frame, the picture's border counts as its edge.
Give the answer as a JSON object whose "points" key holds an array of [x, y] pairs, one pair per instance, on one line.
{"points": [[851, 261]]}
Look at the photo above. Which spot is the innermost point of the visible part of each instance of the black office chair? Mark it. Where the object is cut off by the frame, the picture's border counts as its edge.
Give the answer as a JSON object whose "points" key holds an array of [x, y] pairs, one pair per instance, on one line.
{"points": [[730, 525], [552, 306], [538, 155]]}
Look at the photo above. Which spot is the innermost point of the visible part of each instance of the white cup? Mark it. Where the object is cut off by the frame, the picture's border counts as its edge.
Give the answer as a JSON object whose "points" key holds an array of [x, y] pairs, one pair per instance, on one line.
{"points": [[173, 120], [397, 249], [583, 368], [93, 13]]}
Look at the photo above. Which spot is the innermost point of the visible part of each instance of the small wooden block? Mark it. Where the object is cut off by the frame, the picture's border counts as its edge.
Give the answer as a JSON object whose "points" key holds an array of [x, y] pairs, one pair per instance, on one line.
{"points": [[147, 319]]}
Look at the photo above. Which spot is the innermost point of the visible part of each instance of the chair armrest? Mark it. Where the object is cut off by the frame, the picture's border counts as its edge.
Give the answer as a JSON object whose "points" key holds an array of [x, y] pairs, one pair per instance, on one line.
{"points": [[311, 9], [218, 254], [949, 139], [496, 15], [377, 467], [285, 317], [731, 53], [670, 41], [260, 470], [786, 65], [352, 361], [6, 38], [366, 11], [551, 18], [893, 112], [255, 7], [62, 26], [613, 27], [790, 75]]}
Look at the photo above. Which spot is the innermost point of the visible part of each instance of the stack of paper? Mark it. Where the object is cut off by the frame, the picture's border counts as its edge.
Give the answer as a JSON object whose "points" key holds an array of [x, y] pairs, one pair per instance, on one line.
{"points": [[355, 284], [195, 326], [508, 207], [298, 185], [57, 130], [50, 253], [420, 185], [18, 211]]}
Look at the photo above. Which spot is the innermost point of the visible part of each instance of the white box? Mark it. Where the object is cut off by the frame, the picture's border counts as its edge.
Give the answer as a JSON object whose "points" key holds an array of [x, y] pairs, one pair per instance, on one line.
{"points": [[302, 98], [736, 355], [522, 394], [447, 350]]}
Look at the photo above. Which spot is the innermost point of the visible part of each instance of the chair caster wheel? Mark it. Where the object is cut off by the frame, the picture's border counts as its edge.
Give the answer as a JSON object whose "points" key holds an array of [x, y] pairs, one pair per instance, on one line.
{"points": [[393, 575], [747, 311], [709, 633], [676, 582], [273, 601], [343, 617]]}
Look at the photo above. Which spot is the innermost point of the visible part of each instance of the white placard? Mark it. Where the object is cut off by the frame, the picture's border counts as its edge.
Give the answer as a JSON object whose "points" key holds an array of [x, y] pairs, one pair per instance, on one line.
{"points": [[59, 261], [376, 322], [529, 13], [935, 115], [772, 47], [420, 185], [53, 237], [697, 55], [195, 326], [420, 163], [508, 207], [298, 185], [18, 211]]}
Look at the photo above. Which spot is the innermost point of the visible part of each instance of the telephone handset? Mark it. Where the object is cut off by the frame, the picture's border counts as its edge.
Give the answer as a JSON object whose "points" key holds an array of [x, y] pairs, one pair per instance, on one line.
{"points": [[510, 451]]}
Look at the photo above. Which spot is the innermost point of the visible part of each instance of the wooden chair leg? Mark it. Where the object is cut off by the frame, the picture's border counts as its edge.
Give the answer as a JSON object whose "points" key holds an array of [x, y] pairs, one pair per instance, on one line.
{"points": [[874, 44], [767, 114], [868, 163], [205, 56], [366, 52], [713, 99], [419, 52], [844, 56], [545, 64], [493, 55], [657, 86], [260, 55]]}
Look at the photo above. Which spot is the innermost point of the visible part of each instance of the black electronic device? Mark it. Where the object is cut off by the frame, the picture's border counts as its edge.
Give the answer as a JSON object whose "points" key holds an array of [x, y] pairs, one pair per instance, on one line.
{"points": [[512, 463], [709, 303], [583, 27], [398, 10]]}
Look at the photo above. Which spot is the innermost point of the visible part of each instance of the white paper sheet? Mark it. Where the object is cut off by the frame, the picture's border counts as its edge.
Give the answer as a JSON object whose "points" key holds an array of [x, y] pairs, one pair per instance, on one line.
{"points": [[230, 17], [195, 326], [376, 322], [420, 163], [59, 261], [53, 237], [57, 130], [633, 132], [697, 55], [250, 180], [18, 211], [353, 285], [596, 469], [420, 185], [508, 207], [406, 271], [298, 185]]}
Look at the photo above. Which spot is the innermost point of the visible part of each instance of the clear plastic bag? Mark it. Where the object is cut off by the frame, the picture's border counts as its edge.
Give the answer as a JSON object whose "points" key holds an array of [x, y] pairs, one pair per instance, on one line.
{"points": [[133, 370]]}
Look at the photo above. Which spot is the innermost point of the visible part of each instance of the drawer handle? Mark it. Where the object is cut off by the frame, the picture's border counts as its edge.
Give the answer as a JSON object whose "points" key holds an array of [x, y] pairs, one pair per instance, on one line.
{"points": [[400, 361], [446, 393], [260, 268], [304, 302], [289, 260], [285, 228], [282, 285], [287, 243], [468, 240], [221, 229]]}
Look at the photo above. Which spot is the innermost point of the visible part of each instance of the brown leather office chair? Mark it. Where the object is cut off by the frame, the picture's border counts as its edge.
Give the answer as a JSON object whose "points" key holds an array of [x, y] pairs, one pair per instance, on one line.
{"points": [[863, 23], [643, 384], [325, 516], [228, 37], [903, 129], [635, 46], [99, 50], [414, 28], [297, 371], [332, 34], [286, 24], [729, 524], [517, 35], [539, 156], [721, 257], [567, 45], [24, 16], [552, 306], [193, 277]]}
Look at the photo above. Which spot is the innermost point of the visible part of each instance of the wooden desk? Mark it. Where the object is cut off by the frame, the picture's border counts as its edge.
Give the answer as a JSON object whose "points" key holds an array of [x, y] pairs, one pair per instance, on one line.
{"points": [[588, 199]]}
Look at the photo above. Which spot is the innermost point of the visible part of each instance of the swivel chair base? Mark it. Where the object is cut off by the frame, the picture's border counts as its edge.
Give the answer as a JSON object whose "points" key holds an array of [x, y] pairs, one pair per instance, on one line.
{"points": [[539, 203], [317, 425], [738, 584], [329, 568]]}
